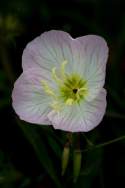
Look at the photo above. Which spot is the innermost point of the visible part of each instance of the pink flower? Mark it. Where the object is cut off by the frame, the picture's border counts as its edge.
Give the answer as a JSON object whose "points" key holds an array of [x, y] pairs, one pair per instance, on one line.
{"points": [[62, 82]]}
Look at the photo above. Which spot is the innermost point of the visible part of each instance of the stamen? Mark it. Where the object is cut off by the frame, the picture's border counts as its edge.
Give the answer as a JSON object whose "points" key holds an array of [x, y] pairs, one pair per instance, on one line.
{"points": [[83, 89], [55, 77], [69, 101], [63, 68], [77, 96], [47, 88]]}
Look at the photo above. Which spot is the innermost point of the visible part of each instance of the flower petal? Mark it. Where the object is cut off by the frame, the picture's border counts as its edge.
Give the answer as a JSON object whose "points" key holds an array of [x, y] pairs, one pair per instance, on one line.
{"points": [[29, 100], [94, 51], [48, 50], [80, 118]]}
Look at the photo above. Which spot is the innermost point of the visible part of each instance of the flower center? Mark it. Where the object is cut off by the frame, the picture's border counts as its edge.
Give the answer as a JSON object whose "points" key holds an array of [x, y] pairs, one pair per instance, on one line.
{"points": [[71, 88], [75, 90]]}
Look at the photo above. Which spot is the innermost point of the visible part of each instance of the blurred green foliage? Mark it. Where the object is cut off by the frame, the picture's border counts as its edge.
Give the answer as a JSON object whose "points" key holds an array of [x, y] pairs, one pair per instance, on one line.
{"points": [[30, 155]]}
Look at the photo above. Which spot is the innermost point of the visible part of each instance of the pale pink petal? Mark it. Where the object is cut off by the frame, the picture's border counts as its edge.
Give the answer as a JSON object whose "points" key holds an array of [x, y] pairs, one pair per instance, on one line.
{"points": [[94, 54], [80, 118], [30, 102], [48, 50]]}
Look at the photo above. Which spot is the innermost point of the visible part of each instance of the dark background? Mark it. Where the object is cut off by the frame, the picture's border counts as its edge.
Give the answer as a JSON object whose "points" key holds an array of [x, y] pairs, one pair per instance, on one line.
{"points": [[30, 156]]}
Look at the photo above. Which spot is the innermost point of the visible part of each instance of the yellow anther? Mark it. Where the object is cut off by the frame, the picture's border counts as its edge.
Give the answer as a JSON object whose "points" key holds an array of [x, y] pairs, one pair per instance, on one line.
{"points": [[69, 101], [83, 89], [55, 77], [47, 88], [63, 68], [77, 96]]}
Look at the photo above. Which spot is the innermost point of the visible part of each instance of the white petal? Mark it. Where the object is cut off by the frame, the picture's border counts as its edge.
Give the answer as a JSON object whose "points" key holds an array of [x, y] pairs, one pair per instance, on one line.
{"points": [[80, 118], [94, 53], [29, 100], [48, 50]]}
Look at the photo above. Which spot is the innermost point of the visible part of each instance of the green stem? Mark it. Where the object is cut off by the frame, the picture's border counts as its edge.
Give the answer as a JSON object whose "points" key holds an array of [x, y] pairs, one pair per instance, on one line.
{"points": [[115, 115], [105, 143]]}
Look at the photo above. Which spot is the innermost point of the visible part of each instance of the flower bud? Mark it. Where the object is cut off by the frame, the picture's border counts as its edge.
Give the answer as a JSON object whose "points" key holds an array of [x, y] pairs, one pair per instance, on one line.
{"points": [[77, 157], [65, 159]]}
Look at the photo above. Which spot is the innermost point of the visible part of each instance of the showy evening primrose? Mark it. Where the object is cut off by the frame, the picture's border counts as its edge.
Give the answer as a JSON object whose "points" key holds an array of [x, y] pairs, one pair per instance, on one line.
{"points": [[62, 81]]}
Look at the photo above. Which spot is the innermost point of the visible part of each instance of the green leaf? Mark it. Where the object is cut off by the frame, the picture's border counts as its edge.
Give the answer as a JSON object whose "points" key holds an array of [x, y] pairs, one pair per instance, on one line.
{"points": [[55, 146], [40, 150]]}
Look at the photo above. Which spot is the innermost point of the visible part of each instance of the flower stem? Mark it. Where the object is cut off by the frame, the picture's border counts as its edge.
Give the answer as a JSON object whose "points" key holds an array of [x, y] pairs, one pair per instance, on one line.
{"points": [[115, 115], [105, 143], [77, 158]]}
